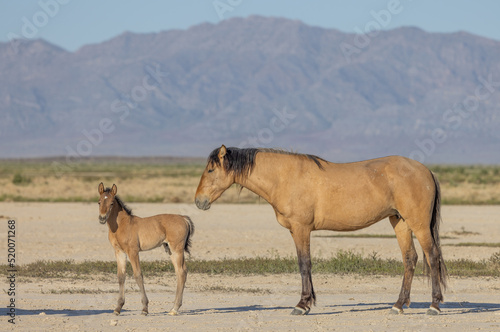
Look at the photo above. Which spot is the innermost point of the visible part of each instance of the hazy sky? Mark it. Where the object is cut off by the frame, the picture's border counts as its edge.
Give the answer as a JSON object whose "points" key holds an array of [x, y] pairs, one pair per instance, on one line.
{"points": [[73, 23]]}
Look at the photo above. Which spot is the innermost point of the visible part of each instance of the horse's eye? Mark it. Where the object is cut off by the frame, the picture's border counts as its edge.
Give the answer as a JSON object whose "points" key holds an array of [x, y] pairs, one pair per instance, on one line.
{"points": [[210, 170]]}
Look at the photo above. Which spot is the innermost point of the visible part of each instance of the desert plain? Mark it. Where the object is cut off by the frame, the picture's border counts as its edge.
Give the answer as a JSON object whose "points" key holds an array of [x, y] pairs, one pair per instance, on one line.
{"points": [[215, 302]]}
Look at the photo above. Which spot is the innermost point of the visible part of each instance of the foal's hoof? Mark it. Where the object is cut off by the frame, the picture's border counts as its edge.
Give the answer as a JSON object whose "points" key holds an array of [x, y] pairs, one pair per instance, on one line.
{"points": [[173, 312], [299, 311], [396, 311], [433, 311], [144, 313], [116, 312]]}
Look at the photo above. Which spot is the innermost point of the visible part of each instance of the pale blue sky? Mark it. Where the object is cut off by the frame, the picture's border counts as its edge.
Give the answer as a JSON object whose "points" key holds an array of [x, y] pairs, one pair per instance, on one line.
{"points": [[73, 23]]}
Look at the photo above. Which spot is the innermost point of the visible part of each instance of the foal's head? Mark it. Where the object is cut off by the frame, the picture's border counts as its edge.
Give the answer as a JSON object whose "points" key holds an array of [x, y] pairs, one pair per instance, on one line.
{"points": [[106, 202]]}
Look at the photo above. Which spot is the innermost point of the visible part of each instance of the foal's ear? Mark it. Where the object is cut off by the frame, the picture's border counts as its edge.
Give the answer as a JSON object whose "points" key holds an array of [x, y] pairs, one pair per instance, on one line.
{"points": [[114, 190], [222, 152], [101, 188]]}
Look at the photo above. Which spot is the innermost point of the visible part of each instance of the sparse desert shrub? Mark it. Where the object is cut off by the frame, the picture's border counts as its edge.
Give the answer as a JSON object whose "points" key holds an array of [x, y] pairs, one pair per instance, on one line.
{"points": [[20, 179], [495, 261]]}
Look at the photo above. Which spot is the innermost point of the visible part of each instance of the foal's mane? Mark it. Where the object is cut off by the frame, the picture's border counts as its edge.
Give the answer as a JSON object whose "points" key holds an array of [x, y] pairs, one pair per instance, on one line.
{"points": [[120, 202], [242, 161]]}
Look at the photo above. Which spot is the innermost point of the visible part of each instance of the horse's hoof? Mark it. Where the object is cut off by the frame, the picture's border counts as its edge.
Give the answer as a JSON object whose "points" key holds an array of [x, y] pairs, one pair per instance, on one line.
{"points": [[299, 311], [433, 311], [173, 312], [396, 311], [144, 313], [116, 312]]}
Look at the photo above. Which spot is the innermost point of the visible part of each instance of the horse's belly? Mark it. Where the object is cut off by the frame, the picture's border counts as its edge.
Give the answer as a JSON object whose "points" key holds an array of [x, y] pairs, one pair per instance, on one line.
{"points": [[351, 221], [345, 225], [149, 241]]}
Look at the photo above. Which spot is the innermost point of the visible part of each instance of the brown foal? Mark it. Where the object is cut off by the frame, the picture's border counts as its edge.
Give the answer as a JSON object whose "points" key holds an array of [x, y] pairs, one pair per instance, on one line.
{"points": [[130, 234]]}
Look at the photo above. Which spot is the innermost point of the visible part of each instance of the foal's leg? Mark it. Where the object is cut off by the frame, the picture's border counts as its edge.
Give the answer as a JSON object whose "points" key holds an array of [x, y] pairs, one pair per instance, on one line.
{"points": [[181, 274], [301, 237], [136, 267], [431, 252], [410, 257], [121, 262]]}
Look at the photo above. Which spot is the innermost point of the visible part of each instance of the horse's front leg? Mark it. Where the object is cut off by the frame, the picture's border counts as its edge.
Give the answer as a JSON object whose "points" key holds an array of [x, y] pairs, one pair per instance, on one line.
{"points": [[121, 264], [301, 237], [136, 267]]}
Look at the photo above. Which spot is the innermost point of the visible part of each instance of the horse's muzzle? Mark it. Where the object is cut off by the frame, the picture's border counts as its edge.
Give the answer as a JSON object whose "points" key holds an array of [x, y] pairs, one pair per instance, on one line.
{"points": [[103, 219], [202, 204]]}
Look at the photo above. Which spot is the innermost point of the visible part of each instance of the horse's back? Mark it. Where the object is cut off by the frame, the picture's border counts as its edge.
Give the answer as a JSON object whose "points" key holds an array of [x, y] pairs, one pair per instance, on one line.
{"points": [[400, 164], [405, 178], [386, 172]]}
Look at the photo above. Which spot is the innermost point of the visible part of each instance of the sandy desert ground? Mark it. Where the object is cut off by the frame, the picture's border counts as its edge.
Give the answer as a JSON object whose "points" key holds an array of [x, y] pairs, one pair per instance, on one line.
{"points": [[60, 231]]}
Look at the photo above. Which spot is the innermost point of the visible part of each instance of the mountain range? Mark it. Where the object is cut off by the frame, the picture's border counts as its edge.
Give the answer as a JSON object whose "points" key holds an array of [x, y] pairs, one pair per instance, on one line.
{"points": [[255, 81]]}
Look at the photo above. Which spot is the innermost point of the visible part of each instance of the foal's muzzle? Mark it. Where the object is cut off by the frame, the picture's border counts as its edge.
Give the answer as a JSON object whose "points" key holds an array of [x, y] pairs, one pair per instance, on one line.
{"points": [[103, 219], [202, 204]]}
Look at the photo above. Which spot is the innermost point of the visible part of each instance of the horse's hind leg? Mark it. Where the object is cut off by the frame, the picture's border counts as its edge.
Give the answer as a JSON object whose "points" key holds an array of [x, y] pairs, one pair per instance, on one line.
{"points": [[410, 257], [136, 267], [177, 258], [121, 262], [433, 257]]}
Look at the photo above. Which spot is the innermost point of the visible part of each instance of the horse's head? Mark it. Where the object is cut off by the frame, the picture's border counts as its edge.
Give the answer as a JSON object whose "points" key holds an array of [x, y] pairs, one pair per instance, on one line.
{"points": [[215, 180], [106, 201]]}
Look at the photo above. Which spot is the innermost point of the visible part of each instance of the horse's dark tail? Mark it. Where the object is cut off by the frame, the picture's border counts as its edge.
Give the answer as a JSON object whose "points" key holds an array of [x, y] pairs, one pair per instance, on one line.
{"points": [[435, 221], [190, 225]]}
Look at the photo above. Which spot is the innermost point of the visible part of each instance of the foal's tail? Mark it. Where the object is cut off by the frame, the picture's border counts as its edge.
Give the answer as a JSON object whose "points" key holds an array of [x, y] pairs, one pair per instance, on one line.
{"points": [[190, 232], [435, 221]]}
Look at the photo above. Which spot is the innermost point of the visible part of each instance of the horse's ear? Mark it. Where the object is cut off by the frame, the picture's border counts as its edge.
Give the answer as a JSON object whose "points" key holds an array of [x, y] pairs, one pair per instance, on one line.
{"points": [[222, 152], [114, 190], [101, 188]]}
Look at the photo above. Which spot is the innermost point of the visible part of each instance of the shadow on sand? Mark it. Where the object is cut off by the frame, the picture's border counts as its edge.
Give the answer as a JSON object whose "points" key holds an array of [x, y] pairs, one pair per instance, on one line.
{"points": [[449, 308]]}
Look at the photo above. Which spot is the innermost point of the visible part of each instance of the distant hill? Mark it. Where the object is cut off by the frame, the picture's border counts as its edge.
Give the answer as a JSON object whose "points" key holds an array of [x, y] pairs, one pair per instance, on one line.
{"points": [[268, 82]]}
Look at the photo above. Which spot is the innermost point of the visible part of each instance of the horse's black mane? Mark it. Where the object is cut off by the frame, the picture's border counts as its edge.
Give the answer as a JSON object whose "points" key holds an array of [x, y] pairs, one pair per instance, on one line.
{"points": [[120, 202], [242, 161]]}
